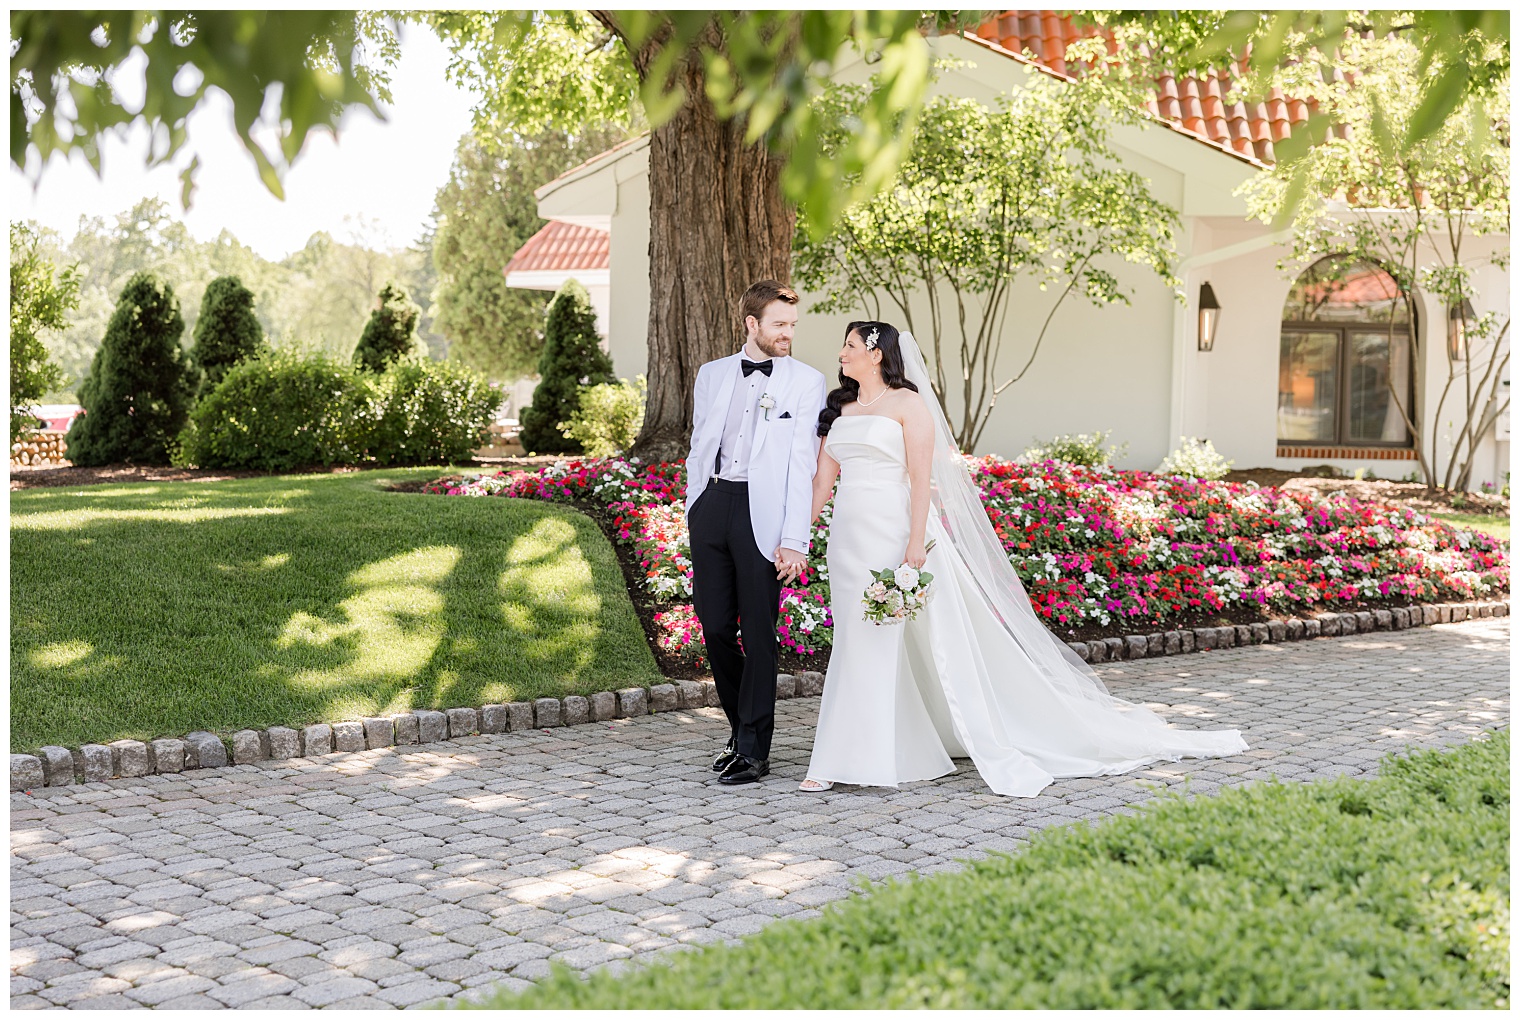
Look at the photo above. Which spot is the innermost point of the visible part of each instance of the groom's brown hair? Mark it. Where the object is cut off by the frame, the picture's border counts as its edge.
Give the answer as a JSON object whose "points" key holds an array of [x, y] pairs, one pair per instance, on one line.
{"points": [[760, 294]]}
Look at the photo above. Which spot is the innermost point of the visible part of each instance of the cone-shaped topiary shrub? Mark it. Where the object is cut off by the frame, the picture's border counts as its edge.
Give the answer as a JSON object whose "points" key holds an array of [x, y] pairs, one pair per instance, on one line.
{"points": [[391, 333], [137, 393], [572, 359], [226, 331]]}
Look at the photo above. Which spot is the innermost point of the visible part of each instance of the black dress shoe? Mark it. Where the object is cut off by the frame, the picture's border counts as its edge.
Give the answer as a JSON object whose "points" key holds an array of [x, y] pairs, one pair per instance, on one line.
{"points": [[744, 770], [725, 757]]}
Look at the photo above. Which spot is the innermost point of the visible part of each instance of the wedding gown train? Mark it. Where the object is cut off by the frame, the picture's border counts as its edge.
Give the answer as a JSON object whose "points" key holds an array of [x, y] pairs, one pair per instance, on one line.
{"points": [[900, 702]]}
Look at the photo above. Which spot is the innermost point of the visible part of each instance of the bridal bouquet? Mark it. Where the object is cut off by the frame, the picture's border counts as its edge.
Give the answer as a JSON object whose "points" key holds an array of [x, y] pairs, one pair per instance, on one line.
{"points": [[897, 593]]}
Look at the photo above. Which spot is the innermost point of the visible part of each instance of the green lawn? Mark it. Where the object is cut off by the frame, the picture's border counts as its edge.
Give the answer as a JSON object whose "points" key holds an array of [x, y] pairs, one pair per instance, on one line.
{"points": [[1495, 526], [1388, 893], [145, 610]]}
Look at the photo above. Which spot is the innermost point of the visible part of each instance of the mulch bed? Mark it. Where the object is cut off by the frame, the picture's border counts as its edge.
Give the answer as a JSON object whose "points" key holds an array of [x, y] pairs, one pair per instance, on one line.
{"points": [[64, 476], [68, 477]]}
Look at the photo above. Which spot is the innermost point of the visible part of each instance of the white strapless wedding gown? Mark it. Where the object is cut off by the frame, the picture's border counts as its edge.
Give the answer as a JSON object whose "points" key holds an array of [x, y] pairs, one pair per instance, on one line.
{"points": [[900, 702]]}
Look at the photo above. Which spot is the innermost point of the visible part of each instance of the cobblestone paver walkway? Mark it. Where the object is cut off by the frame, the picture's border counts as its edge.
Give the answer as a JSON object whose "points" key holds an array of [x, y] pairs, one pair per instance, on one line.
{"points": [[402, 877]]}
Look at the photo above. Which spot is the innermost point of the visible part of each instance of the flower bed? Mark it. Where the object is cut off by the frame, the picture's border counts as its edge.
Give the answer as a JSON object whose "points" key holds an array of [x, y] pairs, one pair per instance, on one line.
{"points": [[1099, 550]]}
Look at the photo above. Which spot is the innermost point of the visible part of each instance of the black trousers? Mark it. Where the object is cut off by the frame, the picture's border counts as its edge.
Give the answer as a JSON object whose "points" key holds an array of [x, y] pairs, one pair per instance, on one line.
{"points": [[735, 590]]}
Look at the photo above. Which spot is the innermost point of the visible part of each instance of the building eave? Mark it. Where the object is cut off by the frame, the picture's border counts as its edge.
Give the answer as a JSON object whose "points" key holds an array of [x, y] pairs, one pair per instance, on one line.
{"points": [[596, 163]]}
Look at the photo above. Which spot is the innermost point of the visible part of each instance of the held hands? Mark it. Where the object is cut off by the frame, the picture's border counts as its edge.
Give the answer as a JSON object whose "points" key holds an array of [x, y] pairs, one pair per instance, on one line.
{"points": [[789, 563]]}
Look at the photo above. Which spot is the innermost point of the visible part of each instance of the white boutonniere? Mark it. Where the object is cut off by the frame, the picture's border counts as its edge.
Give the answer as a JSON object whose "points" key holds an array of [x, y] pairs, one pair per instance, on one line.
{"points": [[766, 403]]}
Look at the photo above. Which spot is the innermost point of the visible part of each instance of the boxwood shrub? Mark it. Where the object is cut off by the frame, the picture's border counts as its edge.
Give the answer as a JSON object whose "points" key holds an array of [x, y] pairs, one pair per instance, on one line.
{"points": [[281, 411], [431, 412], [1389, 893], [286, 410]]}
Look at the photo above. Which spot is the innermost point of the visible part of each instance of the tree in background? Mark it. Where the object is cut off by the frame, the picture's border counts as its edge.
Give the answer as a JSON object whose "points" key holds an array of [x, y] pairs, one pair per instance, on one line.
{"points": [[572, 359], [328, 289], [1459, 57], [1415, 213], [391, 333], [146, 238], [735, 139], [138, 392], [318, 64], [735, 143], [41, 298], [318, 297], [729, 94], [484, 214], [226, 331], [980, 205]]}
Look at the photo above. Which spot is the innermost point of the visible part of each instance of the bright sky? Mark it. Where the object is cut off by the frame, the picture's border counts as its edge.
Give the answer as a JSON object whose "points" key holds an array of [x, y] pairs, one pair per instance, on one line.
{"points": [[384, 174]]}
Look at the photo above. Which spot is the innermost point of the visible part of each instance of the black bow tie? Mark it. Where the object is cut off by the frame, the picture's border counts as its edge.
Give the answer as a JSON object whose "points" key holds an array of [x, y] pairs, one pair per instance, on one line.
{"points": [[756, 366]]}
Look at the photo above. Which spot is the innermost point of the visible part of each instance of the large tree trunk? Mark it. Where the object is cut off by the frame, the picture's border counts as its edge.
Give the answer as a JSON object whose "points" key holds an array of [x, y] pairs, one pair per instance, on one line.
{"points": [[717, 223]]}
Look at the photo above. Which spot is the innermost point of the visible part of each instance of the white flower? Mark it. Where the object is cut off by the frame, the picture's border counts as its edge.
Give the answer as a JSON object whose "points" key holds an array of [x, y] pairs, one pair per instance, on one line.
{"points": [[905, 576], [877, 592], [894, 601]]}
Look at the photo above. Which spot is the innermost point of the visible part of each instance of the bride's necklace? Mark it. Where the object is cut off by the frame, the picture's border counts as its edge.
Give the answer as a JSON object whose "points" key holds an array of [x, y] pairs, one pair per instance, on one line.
{"points": [[868, 403]]}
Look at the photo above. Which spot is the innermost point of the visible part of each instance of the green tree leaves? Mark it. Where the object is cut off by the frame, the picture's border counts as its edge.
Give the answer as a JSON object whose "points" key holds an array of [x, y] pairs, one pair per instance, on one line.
{"points": [[538, 70], [1462, 59], [1026, 190], [564, 69], [320, 296], [1411, 197], [41, 298], [485, 213], [65, 66]]}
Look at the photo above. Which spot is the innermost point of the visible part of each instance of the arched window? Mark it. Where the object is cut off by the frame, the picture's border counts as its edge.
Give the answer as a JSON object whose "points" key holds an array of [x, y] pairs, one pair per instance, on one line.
{"points": [[1345, 354]]}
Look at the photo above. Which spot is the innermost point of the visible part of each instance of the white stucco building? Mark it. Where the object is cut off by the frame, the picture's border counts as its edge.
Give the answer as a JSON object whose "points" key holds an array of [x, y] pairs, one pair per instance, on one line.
{"points": [[1274, 390]]}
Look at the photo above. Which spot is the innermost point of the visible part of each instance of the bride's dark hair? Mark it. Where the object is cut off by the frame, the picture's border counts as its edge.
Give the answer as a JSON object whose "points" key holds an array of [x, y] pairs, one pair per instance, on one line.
{"points": [[891, 371]]}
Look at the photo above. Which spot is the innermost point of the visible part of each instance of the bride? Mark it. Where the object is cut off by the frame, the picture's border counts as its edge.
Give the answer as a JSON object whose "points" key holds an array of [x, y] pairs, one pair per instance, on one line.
{"points": [[976, 674]]}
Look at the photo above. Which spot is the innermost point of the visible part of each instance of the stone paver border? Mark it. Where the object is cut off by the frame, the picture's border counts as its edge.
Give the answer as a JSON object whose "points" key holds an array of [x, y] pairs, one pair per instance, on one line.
{"points": [[130, 759]]}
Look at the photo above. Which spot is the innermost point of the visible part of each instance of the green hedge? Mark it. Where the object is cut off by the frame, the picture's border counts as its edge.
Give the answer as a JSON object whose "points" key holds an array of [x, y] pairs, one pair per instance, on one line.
{"points": [[432, 412], [1389, 893], [284, 411], [280, 412]]}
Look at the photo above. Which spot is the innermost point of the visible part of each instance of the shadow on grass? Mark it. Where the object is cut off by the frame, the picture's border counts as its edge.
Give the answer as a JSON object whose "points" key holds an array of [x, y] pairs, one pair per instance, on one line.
{"points": [[145, 610]]}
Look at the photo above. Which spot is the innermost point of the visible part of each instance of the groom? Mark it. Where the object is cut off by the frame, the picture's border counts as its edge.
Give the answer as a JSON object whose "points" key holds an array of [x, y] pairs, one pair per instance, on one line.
{"points": [[749, 492]]}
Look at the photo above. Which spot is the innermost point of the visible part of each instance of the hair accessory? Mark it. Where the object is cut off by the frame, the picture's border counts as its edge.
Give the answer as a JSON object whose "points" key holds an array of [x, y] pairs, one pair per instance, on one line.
{"points": [[871, 340]]}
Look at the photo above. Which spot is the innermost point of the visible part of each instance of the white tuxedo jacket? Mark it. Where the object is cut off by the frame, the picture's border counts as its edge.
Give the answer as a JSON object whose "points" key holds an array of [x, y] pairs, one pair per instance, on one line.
{"points": [[783, 458]]}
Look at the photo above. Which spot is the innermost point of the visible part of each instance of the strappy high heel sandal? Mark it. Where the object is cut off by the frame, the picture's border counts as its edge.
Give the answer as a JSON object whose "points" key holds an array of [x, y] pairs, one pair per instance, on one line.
{"points": [[815, 785]]}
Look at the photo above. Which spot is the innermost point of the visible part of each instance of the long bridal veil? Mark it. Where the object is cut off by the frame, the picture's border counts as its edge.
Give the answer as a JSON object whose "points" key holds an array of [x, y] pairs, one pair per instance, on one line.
{"points": [[956, 500]]}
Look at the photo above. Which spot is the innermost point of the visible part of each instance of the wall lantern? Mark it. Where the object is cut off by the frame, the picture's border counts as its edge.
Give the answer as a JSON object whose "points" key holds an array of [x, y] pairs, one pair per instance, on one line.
{"points": [[1456, 329], [1208, 318]]}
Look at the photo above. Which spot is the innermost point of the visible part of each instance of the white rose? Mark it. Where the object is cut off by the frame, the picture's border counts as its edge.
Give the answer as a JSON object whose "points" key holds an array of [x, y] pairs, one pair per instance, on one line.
{"points": [[906, 577]]}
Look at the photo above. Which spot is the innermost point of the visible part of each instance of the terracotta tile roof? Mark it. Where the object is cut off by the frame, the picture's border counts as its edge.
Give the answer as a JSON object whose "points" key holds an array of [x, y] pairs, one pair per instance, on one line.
{"points": [[561, 246], [1191, 105]]}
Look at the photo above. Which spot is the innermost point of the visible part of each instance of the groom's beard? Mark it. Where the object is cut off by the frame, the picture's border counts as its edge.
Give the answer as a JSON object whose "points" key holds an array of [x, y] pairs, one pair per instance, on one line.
{"points": [[773, 348]]}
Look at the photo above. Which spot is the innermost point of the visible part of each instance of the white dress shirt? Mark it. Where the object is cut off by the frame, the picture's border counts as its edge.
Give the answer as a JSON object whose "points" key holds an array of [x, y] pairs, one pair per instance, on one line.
{"points": [[739, 427]]}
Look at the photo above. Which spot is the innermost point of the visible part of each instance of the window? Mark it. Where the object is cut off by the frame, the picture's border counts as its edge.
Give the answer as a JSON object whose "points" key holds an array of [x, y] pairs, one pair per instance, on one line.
{"points": [[1344, 356]]}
